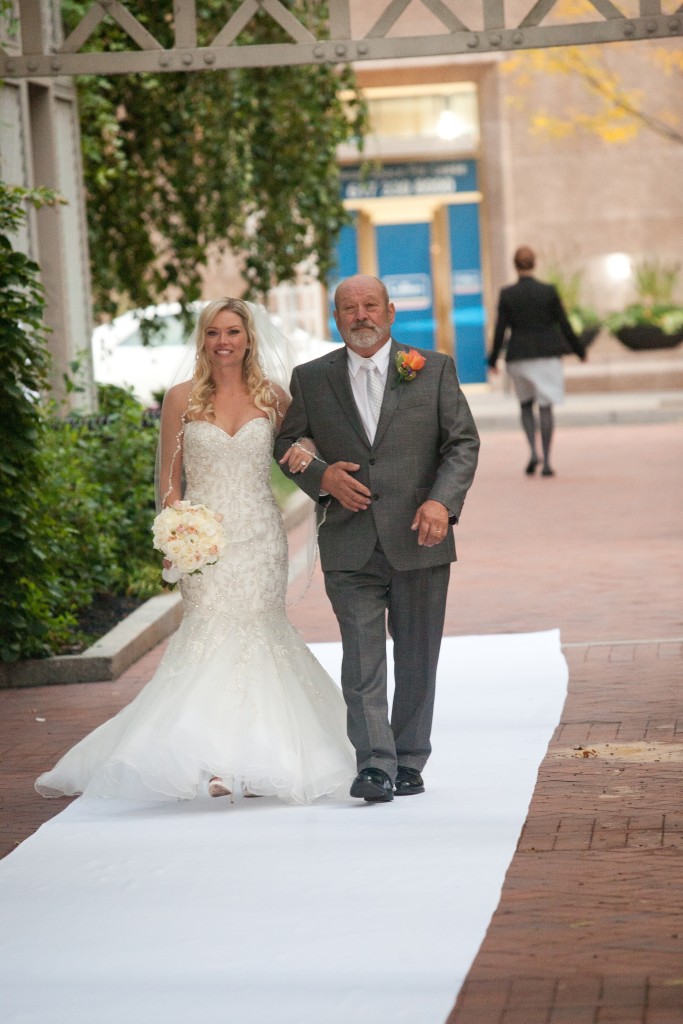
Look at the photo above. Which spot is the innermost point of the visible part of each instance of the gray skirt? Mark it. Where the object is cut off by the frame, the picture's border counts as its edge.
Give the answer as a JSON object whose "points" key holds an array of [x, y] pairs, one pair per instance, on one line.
{"points": [[537, 380]]}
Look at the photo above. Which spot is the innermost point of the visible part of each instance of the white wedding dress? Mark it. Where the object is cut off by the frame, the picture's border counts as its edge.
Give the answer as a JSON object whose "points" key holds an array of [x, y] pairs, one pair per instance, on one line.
{"points": [[238, 694]]}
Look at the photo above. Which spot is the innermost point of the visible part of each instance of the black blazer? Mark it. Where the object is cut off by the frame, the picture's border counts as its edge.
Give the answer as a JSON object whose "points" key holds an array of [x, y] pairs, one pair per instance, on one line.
{"points": [[531, 315]]}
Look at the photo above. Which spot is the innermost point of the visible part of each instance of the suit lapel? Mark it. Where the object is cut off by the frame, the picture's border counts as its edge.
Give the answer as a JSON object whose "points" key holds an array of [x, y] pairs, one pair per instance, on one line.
{"points": [[392, 394], [338, 376]]}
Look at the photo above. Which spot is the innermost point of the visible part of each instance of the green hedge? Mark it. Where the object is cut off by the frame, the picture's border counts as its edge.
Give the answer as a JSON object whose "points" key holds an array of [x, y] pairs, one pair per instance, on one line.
{"points": [[24, 365], [91, 521]]}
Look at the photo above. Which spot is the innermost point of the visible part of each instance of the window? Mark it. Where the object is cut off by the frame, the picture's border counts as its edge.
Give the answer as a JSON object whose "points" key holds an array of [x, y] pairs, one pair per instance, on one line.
{"points": [[421, 121]]}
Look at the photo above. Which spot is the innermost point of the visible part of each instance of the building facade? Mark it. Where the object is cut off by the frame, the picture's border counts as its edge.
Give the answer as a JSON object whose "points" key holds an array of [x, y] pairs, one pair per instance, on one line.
{"points": [[476, 156]]}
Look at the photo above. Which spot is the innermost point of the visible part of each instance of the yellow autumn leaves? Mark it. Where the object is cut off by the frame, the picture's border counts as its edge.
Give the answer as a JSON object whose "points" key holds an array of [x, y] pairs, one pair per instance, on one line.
{"points": [[600, 98]]}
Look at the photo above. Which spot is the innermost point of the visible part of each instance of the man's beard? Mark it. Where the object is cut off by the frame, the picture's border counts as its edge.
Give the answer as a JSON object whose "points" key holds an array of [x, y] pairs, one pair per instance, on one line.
{"points": [[365, 336]]}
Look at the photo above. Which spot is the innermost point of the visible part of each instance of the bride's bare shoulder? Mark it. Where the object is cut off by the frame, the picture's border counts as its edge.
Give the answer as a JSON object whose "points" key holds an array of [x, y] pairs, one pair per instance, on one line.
{"points": [[178, 395]]}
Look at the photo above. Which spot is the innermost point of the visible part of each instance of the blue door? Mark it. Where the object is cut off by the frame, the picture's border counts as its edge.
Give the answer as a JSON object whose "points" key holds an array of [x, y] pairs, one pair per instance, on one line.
{"points": [[403, 258], [346, 266], [468, 300], [404, 263]]}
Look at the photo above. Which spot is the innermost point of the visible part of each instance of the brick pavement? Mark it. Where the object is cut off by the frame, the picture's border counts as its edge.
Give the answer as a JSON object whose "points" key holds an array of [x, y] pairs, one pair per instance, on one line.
{"points": [[589, 926]]}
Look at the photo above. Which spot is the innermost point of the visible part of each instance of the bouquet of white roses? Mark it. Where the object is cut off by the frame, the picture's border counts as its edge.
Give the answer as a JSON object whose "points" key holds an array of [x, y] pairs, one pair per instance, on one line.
{"points": [[190, 536]]}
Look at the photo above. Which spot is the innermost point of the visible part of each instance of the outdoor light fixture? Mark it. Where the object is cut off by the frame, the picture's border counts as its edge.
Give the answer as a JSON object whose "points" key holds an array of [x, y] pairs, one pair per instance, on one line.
{"points": [[618, 266], [450, 125]]}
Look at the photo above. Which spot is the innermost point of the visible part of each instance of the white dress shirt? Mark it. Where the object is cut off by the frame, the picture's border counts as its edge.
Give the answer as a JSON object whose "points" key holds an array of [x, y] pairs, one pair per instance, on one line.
{"points": [[358, 381]]}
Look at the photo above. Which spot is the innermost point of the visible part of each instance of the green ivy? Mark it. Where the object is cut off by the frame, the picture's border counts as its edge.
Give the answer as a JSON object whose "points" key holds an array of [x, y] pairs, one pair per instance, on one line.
{"points": [[179, 165]]}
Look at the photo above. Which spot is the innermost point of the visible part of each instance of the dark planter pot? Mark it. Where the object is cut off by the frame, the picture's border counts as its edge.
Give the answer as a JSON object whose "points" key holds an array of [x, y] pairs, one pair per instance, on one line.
{"points": [[588, 336], [645, 336]]}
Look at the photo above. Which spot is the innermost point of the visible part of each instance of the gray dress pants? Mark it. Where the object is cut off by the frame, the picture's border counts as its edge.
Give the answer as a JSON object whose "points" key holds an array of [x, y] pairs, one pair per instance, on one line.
{"points": [[412, 605]]}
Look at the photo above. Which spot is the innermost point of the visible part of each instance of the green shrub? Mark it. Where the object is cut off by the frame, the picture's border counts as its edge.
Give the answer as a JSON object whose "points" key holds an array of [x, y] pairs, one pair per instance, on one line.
{"points": [[121, 450], [582, 318], [655, 286], [668, 319], [656, 282], [23, 378], [91, 520]]}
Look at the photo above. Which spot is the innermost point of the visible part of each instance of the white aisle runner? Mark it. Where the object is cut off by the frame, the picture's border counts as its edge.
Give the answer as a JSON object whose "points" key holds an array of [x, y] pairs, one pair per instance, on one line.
{"points": [[204, 912]]}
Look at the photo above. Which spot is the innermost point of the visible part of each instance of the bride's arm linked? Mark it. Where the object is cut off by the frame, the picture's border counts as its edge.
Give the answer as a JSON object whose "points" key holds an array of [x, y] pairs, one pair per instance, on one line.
{"points": [[300, 454]]}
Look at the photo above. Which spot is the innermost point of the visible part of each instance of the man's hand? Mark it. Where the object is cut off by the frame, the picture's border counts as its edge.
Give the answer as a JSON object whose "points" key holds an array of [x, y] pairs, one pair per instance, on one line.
{"points": [[349, 492], [431, 522]]}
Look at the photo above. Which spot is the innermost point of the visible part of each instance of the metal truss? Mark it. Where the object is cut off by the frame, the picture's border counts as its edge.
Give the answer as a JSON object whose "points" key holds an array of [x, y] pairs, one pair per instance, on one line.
{"points": [[32, 59]]}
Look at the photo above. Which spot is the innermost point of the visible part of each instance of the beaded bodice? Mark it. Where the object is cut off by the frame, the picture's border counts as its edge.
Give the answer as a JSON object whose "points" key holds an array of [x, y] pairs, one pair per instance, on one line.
{"points": [[231, 474]]}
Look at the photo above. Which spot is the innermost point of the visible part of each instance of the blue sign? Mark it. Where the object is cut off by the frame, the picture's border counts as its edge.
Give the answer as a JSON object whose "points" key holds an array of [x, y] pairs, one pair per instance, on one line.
{"points": [[395, 181], [409, 291]]}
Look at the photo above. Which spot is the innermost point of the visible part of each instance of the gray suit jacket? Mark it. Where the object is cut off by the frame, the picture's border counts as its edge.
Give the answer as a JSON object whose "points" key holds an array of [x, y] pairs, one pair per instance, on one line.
{"points": [[426, 446]]}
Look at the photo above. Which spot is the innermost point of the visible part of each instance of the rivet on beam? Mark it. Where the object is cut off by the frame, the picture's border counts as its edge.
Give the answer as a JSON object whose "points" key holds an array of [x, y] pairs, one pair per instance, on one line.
{"points": [[164, 61], [209, 58], [32, 65], [651, 27], [629, 29], [473, 42], [495, 40], [518, 39], [55, 65], [674, 25], [319, 52], [362, 49], [9, 67], [340, 50], [187, 59]]}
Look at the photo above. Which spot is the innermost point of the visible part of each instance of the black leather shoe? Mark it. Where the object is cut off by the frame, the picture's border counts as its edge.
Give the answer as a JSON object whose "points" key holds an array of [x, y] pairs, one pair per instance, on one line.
{"points": [[408, 782], [373, 785]]}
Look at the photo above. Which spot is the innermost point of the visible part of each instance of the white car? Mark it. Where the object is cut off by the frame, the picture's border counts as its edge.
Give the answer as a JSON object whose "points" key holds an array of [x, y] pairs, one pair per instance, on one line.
{"points": [[120, 356]]}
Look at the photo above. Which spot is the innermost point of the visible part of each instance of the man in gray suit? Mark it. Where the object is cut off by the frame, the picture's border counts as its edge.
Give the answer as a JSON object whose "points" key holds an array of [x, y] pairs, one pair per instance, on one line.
{"points": [[396, 456]]}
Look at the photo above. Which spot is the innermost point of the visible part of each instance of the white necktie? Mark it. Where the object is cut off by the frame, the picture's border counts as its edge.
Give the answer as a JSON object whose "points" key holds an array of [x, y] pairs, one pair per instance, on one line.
{"points": [[375, 388]]}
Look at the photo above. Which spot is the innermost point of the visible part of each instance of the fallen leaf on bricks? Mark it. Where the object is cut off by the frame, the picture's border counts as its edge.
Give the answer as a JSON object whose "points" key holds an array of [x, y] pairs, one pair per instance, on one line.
{"points": [[635, 753]]}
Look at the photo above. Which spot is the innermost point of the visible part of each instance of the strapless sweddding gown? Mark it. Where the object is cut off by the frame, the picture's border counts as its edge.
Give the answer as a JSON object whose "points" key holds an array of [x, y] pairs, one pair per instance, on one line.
{"points": [[237, 694]]}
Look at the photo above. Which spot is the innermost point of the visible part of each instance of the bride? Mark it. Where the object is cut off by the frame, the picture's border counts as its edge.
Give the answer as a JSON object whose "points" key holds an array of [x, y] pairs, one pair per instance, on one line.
{"points": [[238, 703]]}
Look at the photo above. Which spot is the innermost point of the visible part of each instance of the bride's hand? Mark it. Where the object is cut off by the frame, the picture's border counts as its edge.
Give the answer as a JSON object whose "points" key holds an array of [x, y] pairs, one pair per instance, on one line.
{"points": [[299, 456]]}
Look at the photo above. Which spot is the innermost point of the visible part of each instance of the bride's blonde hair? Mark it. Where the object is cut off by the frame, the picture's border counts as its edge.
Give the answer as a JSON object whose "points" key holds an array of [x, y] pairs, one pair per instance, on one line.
{"points": [[200, 403]]}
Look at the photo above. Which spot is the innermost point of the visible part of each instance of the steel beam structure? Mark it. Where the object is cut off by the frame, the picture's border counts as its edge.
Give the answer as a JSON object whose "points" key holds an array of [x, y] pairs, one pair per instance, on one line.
{"points": [[499, 32]]}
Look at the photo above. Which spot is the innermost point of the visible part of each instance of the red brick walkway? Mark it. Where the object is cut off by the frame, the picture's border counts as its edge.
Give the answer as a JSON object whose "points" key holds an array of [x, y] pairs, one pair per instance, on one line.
{"points": [[589, 929]]}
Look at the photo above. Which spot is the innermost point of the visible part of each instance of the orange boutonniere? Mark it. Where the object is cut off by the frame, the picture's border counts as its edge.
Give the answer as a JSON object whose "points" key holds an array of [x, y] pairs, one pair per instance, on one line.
{"points": [[408, 365]]}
